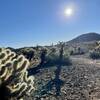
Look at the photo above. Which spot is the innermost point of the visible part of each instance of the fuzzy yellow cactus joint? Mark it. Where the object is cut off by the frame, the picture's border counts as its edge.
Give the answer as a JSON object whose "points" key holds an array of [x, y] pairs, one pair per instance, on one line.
{"points": [[14, 75]]}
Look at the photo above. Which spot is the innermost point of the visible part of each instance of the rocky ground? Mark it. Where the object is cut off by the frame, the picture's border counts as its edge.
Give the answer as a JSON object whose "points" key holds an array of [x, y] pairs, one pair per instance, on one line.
{"points": [[81, 81]]}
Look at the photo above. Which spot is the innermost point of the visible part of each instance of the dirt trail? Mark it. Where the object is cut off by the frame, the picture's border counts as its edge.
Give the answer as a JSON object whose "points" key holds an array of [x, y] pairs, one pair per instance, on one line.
{"points": [[81, 79], [84, 60]]}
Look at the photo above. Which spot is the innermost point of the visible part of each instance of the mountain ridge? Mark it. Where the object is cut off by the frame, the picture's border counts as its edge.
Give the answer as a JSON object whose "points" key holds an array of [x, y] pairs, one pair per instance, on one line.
{"points": [[87, 37]]}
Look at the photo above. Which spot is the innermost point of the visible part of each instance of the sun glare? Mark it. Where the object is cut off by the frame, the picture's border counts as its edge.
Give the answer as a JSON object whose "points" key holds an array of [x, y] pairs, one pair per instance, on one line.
{"points": [[68, 11]]}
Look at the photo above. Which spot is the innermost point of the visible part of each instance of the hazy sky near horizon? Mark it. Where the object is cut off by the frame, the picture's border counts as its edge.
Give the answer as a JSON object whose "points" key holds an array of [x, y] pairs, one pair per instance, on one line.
{"points": [[32, 22]]}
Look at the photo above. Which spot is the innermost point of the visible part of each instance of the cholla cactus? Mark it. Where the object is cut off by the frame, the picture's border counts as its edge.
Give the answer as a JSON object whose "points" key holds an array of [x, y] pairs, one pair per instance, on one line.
{"points": [[13, 74]]}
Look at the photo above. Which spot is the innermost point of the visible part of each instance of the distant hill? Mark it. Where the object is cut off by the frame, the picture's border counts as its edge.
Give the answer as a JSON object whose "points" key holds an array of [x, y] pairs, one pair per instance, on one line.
{"points": [[89, 37], [85, 41]]}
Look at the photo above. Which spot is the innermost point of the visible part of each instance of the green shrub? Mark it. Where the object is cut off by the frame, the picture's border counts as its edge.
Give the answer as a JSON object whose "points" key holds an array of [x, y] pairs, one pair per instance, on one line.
{"points": [[95, 55], [53, 59]]}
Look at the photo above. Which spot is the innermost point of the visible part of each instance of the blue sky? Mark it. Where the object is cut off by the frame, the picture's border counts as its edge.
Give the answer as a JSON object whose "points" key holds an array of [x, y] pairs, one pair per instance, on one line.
{"points": [[32, 22]]}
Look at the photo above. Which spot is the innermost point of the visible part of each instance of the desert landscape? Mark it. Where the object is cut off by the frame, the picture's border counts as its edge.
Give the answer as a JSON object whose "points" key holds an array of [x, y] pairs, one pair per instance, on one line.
{"points": [[49, 49], [65, 71]]}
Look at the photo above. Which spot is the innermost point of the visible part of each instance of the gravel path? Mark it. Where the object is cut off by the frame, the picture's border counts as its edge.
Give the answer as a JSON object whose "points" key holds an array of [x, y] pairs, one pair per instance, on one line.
{"points": [[84, 60], [81, 80]]}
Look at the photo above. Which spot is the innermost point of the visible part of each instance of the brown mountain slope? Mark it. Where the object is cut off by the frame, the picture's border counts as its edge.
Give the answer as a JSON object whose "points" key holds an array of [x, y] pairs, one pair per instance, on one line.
{"points": [[88, 37]]}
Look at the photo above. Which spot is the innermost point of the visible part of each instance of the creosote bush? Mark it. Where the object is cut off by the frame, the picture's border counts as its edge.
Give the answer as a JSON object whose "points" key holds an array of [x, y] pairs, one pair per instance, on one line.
{"points": [[14, 80], [52, 59], [95, 54]]}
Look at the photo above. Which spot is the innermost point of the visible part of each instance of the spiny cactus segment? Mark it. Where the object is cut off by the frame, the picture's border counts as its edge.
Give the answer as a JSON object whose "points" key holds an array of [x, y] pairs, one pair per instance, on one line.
{"points": [[14, 75]]}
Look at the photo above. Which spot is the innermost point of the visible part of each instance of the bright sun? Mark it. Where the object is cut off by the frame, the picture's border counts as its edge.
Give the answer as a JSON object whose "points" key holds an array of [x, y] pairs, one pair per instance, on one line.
{"points": [[68, 11]]}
